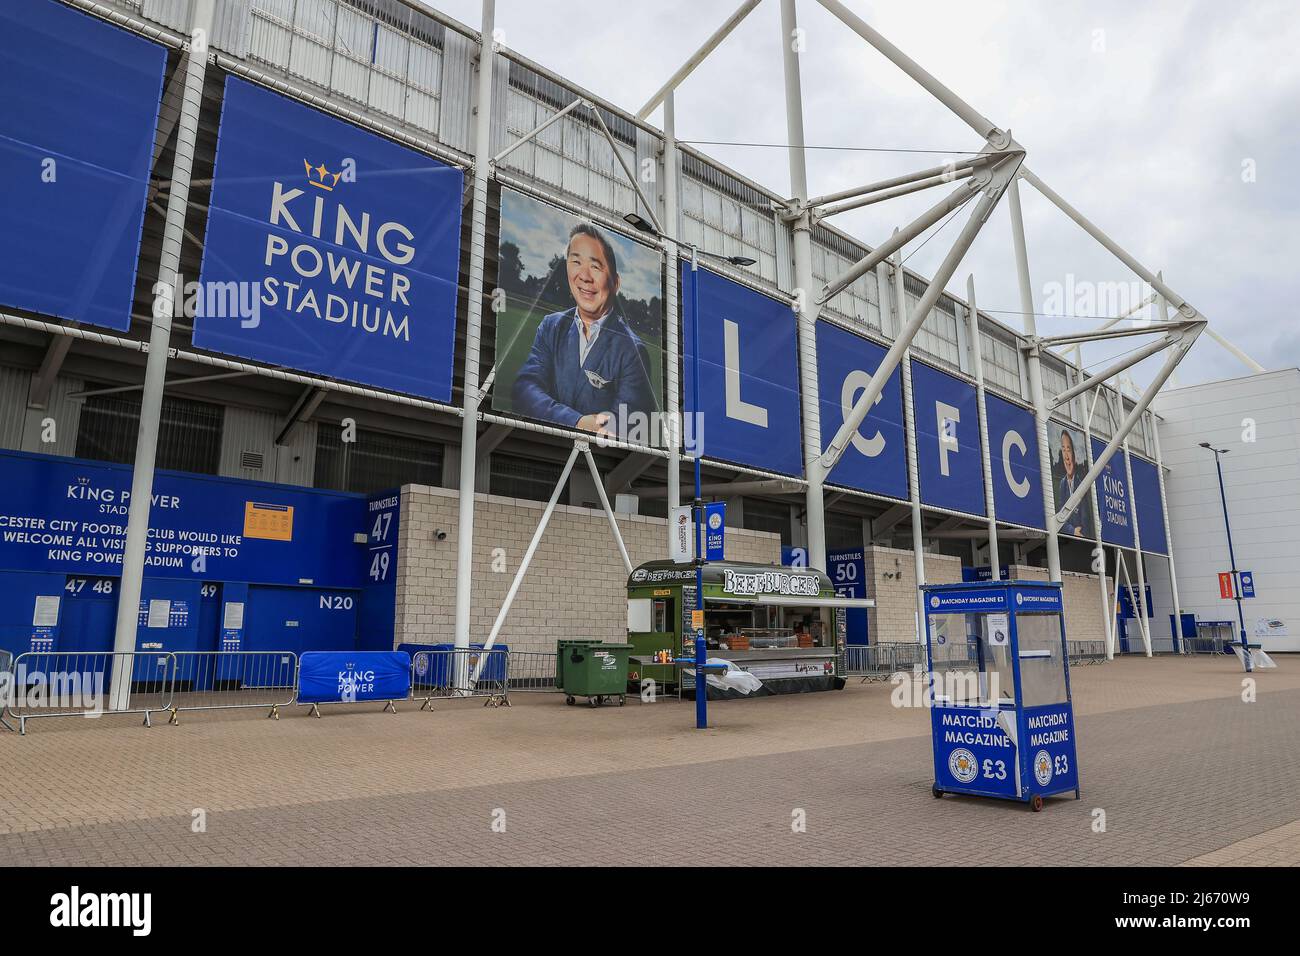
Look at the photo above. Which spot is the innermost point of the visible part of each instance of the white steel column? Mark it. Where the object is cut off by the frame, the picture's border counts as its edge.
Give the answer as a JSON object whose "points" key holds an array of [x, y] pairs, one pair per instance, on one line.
{"points": [[977, 359], [474, 326], [805, 300], [1035, 373], [673, 358], [1137, 547], [1098, 549], [1169, 541], [146, 448], [909, 430]]}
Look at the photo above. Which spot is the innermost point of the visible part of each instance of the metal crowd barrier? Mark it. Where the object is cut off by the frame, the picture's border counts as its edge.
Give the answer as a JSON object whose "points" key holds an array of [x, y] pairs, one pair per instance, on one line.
{"points": [[1203, 645], [220, 680], [531, 671], [448, 674], [1086, 652], [77, 684], [6, 684], [881, 661]]}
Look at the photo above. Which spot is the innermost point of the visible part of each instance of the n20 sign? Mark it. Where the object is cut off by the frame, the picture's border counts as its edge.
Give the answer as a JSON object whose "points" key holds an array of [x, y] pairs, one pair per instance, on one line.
{"points": [[947, 441], [1013, 450], [80, 109], [749, 375], [329, 249], [875, 459]]}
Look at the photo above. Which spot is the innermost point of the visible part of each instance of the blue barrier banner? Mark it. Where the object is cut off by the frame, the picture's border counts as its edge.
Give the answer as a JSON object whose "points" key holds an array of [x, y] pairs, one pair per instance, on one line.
{"points": [[1013, 450], [749, 375], [947, 441], [1151, 513], [349, 676], [67, 515], [80, 110], [343, 248], [1113, 498], [876, 457]]}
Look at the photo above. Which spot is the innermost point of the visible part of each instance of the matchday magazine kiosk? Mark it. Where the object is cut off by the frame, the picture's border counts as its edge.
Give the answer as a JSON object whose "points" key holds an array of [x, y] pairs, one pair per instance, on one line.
{"points": [[1001, 719]]}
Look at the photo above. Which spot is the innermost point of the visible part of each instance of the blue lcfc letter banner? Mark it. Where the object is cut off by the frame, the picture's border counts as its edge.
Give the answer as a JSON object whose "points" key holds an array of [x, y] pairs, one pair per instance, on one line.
{"points": [[347, 676], [947, 441], [876, 457], [1113, 497], [79, 100], [749, 376], [1151, 514], [1013, 448], [329, 249]]}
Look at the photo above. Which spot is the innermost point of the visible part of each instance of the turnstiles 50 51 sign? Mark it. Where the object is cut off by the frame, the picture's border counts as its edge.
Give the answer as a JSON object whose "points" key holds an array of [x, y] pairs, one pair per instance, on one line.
{"points": [[770, 582]]}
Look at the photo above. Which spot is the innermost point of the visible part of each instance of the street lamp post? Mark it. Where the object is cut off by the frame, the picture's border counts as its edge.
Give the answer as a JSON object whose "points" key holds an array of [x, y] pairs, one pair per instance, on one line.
{"points": [[697, 510], [1232, 557]]}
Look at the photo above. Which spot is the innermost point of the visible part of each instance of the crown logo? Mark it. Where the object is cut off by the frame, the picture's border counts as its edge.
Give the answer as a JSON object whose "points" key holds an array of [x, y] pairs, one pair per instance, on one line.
{"points": [[320, 177]]}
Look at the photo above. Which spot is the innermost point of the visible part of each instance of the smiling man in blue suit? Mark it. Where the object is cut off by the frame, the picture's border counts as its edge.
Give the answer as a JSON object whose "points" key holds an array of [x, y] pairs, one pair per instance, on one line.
{"points": [[587, 369]]}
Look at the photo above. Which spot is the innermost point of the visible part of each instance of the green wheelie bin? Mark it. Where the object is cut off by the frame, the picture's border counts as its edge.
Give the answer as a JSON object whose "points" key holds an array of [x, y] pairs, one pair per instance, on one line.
{"points": [[592, 670]]}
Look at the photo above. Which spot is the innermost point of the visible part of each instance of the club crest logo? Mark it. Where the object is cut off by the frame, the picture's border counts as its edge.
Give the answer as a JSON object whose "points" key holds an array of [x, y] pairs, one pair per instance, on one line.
{"points": [[962, 765], [1020, 598], [934, 600], [1043, 768]]}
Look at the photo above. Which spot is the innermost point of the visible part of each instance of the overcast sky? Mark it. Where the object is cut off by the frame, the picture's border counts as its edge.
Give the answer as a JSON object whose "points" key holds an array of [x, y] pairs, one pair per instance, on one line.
{"points": [[1172, 125]]}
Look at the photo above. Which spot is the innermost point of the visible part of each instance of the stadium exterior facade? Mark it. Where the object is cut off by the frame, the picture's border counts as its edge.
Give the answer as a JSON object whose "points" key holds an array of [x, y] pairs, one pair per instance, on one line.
{"points": [[405, 74]]}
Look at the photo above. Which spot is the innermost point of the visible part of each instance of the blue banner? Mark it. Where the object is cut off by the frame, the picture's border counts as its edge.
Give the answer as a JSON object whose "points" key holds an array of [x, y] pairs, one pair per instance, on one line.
{"points": [[972, 753], [876, 457], [966, 601], [80, 111], [1151, 513], [69, 516], [749, 375], [1013, 448], [1113, 498], [349, 676], [329, 249], [947, 441], [715, 531]]}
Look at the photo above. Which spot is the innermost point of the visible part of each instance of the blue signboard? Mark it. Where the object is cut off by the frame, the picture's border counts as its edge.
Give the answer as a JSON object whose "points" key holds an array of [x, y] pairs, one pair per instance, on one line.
{"points": [[749, 375], [848, 572], [80, 110], [1247, 579], [349, 676], [1013, 450], [1151, 513], [715, 530], [876, 457], [69, 516], [984, 573], [1113, 497], [379, 609], [972, 753], [947, 441], [1050, 747], [329, 249]]}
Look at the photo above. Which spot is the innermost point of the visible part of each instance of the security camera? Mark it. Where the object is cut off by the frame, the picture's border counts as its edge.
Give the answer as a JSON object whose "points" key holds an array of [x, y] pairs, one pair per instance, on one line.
{"points": [[439, 535]]}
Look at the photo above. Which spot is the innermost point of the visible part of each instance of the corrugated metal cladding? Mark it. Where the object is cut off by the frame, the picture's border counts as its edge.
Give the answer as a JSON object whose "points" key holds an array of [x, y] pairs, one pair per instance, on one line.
{"points": [[229, 26], [248, 434], [65, 411], [14, 383]]}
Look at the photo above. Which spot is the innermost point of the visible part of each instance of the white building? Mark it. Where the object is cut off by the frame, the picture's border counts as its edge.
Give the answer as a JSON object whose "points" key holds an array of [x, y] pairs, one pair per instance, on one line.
{"points": [[1256, 418]]}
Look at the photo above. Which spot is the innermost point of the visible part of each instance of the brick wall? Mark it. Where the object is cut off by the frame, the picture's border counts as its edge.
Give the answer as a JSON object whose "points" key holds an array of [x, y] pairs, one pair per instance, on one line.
{"points": [[576, 585], [891, 581]]}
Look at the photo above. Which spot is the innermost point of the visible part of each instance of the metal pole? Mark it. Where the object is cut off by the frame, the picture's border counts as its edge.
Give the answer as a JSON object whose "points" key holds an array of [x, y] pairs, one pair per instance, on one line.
{"points": [[578, 446], [473, 327], [673, 358], [697, 57], [977, 359], [1098, 548], [805, 303], [1033, 366], [609, 512], [701, 683], [1137, 550], [913, 470], [1169, 541], [146, 449], [1232, 557]]}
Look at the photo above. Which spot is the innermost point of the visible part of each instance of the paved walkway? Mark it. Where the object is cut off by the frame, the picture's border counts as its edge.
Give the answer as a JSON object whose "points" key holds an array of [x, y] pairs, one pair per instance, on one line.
{"points": [[1169, 753]]}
